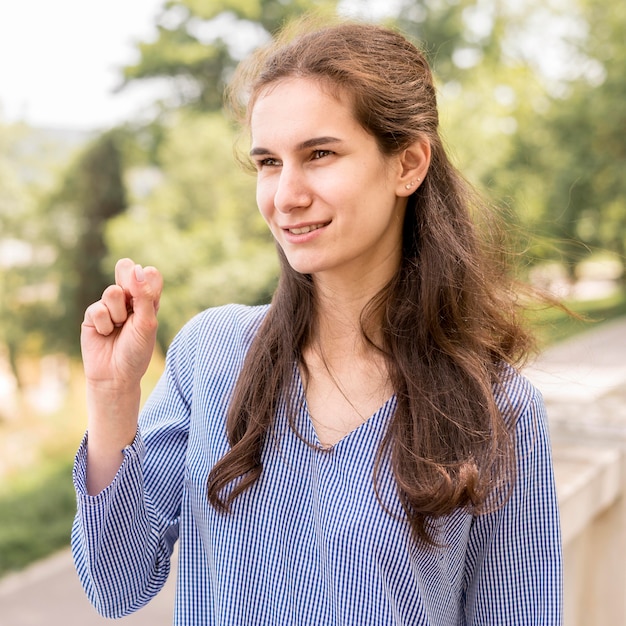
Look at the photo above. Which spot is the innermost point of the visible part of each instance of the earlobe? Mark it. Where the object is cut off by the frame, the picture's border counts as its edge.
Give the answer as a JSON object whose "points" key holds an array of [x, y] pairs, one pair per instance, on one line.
{"points": [[414, 163]]}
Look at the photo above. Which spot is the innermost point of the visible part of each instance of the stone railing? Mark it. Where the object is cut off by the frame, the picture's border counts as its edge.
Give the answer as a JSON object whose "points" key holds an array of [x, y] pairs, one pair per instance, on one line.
{"points": [[590, 483], [584, 385]]}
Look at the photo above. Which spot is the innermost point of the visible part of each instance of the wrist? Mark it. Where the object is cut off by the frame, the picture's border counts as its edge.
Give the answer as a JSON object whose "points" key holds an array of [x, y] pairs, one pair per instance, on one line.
{"points": [[112, 415]]}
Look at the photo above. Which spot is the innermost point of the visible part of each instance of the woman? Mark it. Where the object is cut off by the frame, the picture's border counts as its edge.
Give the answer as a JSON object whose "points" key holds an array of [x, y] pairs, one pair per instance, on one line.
{"points": [[363, 450]]}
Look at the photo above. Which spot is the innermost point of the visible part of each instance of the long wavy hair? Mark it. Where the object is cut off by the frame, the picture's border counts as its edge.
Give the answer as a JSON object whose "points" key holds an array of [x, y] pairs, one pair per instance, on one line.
{"points": [[449, 316]]}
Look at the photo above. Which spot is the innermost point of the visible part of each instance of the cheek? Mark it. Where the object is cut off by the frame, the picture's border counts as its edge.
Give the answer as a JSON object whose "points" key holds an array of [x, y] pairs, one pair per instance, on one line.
{"points": [[264, 200]]}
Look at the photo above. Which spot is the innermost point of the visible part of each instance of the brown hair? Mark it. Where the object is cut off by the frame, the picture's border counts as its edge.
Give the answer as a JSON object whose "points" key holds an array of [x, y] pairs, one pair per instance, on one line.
{"points": [[449, 317]]}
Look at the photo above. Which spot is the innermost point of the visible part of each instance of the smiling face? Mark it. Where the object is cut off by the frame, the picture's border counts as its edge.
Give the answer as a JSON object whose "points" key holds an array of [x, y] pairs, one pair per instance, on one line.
{"points": [[333, 202]]}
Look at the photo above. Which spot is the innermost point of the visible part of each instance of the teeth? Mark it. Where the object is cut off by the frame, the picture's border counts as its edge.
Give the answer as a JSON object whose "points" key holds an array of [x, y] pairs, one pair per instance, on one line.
{"points": [[304, 229]]}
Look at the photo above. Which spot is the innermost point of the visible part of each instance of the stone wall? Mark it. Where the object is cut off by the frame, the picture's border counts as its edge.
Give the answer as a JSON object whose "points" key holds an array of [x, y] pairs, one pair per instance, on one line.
{"points": [[584, 384]]}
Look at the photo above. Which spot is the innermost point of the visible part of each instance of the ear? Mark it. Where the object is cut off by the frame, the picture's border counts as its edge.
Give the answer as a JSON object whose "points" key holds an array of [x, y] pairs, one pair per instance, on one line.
{"points": [[413, 166]]}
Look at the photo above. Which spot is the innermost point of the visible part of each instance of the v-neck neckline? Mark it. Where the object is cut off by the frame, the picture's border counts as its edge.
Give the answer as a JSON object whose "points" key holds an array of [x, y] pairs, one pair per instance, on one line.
{"points": [[370, 424]]}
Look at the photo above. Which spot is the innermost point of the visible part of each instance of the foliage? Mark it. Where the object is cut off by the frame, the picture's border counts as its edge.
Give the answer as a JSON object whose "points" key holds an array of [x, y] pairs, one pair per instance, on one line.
{"points": [[91, 193], [26, 167], [588, 127], [36, 515], [14, 208], [200, 42], [566, 167]]}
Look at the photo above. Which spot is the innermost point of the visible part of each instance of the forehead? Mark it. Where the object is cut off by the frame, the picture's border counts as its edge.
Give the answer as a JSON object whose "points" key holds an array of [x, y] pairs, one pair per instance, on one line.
{"points": [[299, 105], [317, 83]]}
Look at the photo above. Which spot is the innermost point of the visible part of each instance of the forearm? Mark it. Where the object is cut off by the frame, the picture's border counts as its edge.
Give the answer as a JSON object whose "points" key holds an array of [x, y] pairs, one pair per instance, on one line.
{"points": [[111, 426]]}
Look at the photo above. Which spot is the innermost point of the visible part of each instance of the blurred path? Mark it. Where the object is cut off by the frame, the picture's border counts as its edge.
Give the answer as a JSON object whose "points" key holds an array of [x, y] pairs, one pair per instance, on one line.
{"points": [[49, 594], [582, 379]]}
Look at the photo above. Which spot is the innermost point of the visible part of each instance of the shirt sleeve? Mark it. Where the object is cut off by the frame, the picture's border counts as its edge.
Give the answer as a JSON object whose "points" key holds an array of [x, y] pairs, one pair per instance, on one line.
{"points": [[122, 538], [514, 560]]}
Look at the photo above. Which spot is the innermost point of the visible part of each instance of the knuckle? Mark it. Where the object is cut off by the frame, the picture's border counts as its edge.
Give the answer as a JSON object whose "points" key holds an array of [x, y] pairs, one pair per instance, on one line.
{"points": [[152, 324], [111, 291], [98, 316]]}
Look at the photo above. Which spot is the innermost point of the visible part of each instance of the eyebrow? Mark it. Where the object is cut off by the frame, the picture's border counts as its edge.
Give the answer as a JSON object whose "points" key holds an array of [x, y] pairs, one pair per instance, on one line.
{"points": [[309, 143]]}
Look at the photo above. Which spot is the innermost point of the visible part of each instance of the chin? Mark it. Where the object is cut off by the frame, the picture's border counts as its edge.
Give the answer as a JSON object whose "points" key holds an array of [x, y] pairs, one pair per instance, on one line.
{"points": [[305, 266]]}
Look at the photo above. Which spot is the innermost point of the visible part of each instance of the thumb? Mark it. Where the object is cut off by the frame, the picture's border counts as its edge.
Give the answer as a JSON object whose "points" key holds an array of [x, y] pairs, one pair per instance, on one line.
{"points": [[145, 292]]}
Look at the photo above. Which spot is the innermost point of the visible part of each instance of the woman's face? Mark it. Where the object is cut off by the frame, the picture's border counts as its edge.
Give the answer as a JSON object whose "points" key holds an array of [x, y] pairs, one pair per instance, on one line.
{"points": [[333, 202]]}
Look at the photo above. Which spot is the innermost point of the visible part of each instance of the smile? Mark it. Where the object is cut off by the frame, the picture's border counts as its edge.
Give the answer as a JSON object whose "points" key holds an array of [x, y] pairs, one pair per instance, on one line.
{"points": [[302, 230]]}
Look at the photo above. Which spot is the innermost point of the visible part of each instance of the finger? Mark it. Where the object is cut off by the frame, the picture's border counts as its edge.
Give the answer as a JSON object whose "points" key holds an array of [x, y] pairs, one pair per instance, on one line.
{"points": [[116, 302], [142, 288], [145, 291], [124, 269], [97, 317], [154, 277]]}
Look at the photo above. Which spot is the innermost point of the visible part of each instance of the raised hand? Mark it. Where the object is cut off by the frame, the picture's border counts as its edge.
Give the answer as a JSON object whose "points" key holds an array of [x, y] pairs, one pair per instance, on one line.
{"points": [[117, 340], [119, 331]]}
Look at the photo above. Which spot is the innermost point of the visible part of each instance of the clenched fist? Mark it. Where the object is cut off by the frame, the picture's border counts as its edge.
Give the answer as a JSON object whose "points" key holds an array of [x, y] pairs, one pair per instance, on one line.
{"points": [[119, 331]]}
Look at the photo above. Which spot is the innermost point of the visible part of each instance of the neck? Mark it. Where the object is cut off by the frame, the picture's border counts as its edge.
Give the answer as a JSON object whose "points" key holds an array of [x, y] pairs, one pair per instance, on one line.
{"points": [[339, 309]]}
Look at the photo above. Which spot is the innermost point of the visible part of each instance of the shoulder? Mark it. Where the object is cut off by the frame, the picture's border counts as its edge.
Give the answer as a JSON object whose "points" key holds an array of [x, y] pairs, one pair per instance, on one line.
{"points": [[519, 401], [215, 334], [212, 345], [225, 323]]}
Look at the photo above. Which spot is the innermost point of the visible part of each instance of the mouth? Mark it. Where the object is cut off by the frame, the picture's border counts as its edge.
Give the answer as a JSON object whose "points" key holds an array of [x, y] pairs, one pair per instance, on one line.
{"points": [[303, 230]]}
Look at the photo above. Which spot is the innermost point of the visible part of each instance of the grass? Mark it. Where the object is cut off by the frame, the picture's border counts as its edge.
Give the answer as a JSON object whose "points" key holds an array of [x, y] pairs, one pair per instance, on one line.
{"points": [[36, 512], [553, 325], [37, 503]]}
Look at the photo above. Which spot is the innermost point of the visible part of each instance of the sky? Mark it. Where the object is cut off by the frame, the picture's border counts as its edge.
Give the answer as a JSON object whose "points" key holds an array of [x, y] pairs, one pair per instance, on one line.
{"points": [[60, 60]]}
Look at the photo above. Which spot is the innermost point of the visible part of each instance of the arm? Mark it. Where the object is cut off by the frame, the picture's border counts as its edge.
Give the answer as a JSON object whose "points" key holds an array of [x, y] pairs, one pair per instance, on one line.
{"points": [[513, 567], [128, 482], [117, 340], [123, 537]]}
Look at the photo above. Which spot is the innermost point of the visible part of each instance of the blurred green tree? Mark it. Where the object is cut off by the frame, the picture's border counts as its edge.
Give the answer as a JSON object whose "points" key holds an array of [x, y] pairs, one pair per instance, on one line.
{"points": [[14, 207], [24, 252], [200, 42], [588, 127], [567, 164], [91, 193]]}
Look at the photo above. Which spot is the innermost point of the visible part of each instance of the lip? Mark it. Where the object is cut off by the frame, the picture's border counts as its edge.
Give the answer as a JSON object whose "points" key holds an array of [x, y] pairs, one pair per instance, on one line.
{"points": [[304, 231]]}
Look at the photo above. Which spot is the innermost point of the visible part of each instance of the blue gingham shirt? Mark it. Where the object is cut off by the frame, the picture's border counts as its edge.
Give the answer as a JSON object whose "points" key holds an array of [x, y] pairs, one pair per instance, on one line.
{"points": [[309, 543]]}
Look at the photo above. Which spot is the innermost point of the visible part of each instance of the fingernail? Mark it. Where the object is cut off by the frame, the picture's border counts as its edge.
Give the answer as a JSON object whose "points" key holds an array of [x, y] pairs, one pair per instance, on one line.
{"points": [[139, 275]]}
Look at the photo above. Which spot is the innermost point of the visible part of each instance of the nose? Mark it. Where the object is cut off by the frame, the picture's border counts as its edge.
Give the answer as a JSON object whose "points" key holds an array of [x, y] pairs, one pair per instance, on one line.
{"points": [[293, 191]]}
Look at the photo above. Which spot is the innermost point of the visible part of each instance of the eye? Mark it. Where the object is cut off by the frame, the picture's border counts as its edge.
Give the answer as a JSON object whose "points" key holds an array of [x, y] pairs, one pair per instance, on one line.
{"points": [[268, 162], [320, 154]]}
